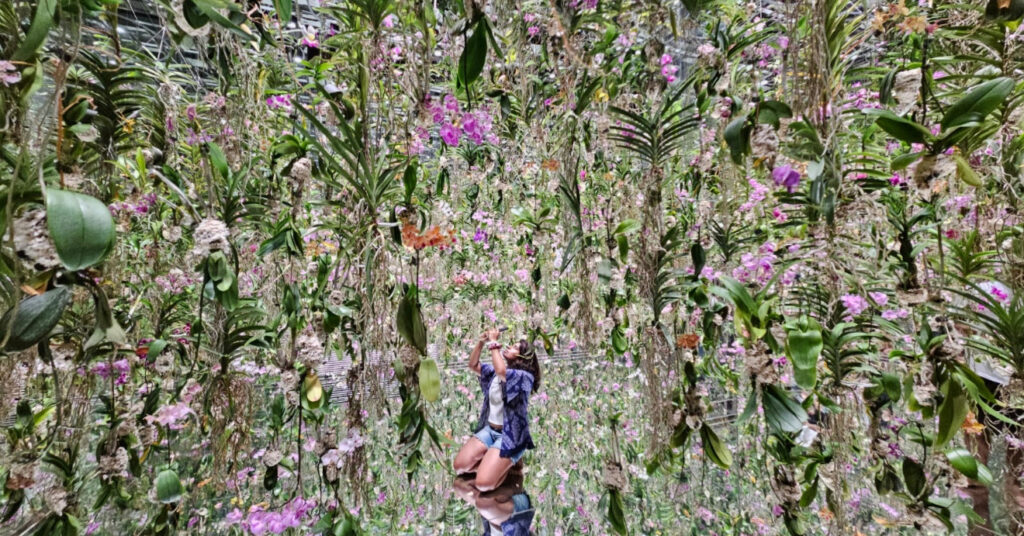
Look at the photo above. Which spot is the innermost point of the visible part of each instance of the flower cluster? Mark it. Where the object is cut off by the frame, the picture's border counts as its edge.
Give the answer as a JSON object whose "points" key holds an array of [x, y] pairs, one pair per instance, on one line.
{"points": [[283, 102], [261, 521], [476, 125], [433, 237], [9, 74]]}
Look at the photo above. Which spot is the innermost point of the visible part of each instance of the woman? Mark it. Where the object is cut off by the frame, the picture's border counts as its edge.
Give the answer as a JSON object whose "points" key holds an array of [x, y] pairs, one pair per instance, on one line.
{"points": [[502, 434]]}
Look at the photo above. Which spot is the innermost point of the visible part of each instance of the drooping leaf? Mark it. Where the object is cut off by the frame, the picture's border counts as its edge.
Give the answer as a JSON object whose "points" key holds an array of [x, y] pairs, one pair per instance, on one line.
{"points": [[168, 487], [782, 413], [312, 391], [913, 477], [474, 55], [716, 451], [35, 317], [430, 380], [804, 345], [616, 514], [42, 22], [963, 461], [737, 137], [952, 413], [977, 103], [81, 227], [284, 10], [900, 128]]}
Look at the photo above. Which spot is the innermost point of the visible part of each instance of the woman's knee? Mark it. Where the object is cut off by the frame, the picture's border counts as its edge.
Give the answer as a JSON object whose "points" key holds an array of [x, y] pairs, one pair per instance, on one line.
{"points": [[490, 478]]}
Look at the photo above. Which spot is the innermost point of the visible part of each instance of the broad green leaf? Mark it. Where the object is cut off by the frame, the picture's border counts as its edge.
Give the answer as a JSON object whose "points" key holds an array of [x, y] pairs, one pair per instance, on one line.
{"points": [[952, 413], [782, 413], [410, 323], [619, 340], [737, 136], [626, 227], [474, 55], [904, 160], [168, 487], [978, 103], [219, 161], [913, 477], [284, 10], [430, 380], [963, 461], [42, 23], [899, 127], [716, 451], [35, 318], [81, 227], [312, 391], [772, 111], [804, 345], [966, 172], [616, 514]]}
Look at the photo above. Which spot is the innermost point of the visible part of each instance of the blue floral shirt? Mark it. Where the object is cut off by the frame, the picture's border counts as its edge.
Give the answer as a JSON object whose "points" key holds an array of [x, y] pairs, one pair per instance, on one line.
{"points": [[515, 436], [518, 524]]}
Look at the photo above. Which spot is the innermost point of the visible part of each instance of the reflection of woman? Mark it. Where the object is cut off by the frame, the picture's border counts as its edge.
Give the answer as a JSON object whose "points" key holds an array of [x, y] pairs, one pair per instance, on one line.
{"points": [[502, 434], [504, 511], [507, 510]]}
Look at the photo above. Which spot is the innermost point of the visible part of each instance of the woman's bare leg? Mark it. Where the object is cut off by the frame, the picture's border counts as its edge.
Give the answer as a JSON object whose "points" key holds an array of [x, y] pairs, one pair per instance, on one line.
{"points": [[469, 456], [492, 471]]}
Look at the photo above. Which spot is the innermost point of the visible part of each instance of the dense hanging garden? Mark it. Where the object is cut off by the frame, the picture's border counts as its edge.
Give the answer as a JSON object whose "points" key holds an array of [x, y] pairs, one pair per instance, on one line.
{"points": [[770, 257]]}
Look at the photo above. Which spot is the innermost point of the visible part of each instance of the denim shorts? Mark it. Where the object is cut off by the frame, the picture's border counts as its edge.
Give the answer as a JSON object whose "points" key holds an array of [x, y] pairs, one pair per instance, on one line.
{"points": [[492, 438]]}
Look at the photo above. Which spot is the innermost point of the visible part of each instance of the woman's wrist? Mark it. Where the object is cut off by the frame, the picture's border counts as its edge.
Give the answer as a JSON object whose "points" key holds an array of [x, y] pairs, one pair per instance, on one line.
{"points": [[493, 345]]}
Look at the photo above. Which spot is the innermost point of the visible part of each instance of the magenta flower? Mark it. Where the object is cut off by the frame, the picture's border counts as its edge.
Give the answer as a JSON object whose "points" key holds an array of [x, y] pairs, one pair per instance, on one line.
{"points": [[786, 176], [854, 304], [9, 74], [450, 134], [533, 30]]}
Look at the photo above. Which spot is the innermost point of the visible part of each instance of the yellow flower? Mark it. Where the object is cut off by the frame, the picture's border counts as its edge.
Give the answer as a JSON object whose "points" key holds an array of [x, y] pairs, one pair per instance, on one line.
{"points": [[601, 95]]}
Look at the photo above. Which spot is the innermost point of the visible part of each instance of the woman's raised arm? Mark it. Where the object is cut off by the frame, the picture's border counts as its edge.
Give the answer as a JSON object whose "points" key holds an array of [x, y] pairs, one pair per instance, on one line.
{"points": [[474, 357]]}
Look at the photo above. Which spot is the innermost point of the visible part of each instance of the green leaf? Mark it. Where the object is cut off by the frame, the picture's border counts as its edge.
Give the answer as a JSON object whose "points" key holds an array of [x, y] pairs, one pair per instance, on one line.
{"points": [[782, 413], [430, 380], [42, 22], [619, 340], [284, 10], [804, 345], [168, 487], [978, 103], [699, 258], [474, 55], [899, 127], [963, 461], [737, 136], [913, 476], [35, 318], [891, 384], [772, 111], [966, 172], [410, 323], [626, 227], [219, 161], [716, 451], [616, 515], [312, 391], [409, 181], [952, 413], [904, 160], [81, 227]]}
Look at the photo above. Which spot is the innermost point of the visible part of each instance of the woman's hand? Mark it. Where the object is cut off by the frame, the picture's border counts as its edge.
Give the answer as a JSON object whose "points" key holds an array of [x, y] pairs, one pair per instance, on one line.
{"points": [[492, 334]]}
